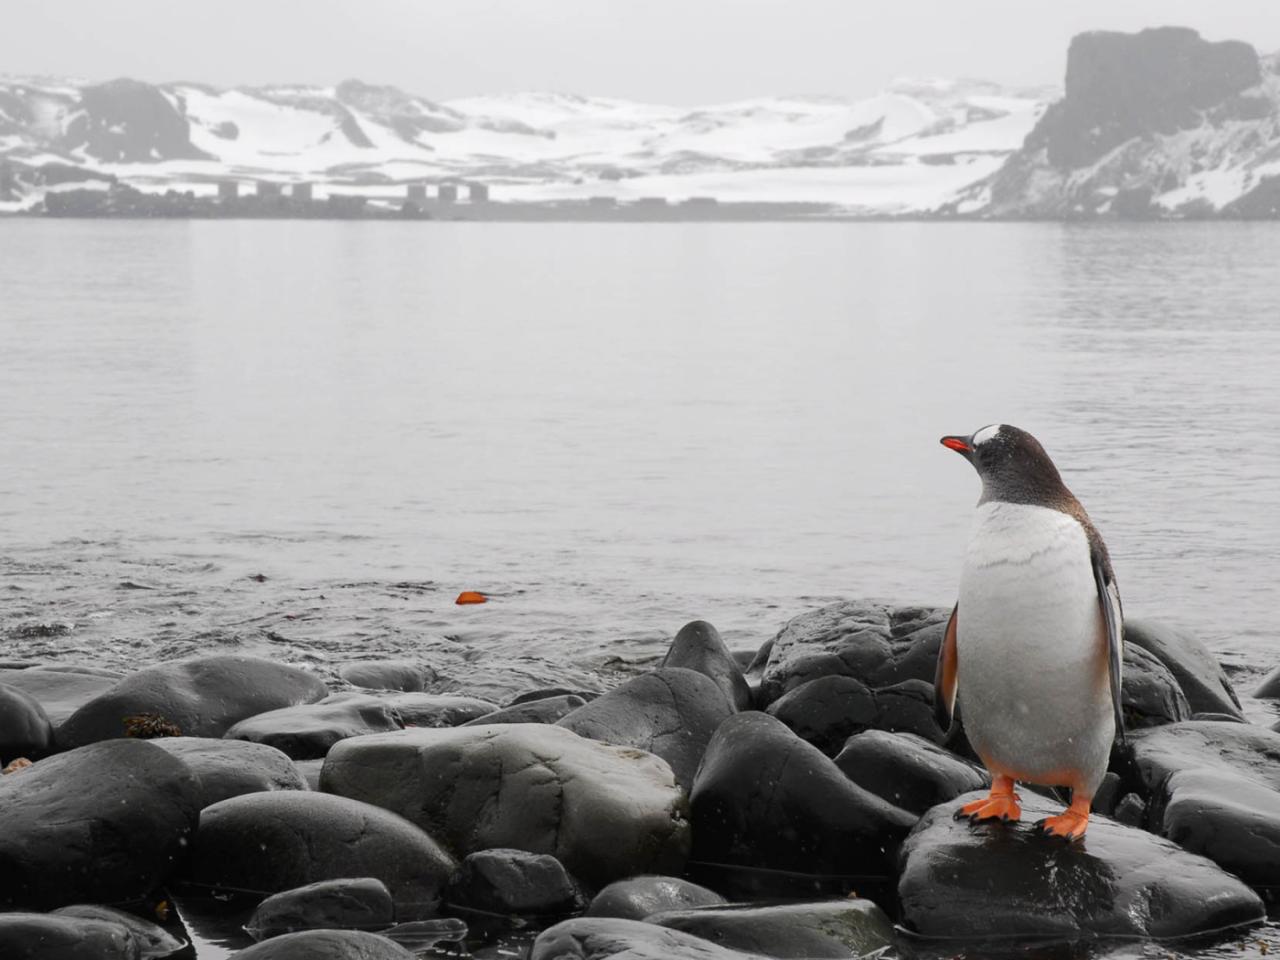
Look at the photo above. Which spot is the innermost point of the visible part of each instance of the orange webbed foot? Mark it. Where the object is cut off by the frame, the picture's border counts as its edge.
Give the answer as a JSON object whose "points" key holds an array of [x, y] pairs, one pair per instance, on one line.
{"points": [[1070, 825], [1001, 804]]}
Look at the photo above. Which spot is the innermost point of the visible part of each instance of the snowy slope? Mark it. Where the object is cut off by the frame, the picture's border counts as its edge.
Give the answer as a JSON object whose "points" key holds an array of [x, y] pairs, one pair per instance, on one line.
{"points": [[908, 148]]}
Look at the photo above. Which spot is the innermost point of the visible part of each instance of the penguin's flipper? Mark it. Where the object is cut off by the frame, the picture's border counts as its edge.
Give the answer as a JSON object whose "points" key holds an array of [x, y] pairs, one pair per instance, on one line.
{"points": [[944, 677], [1109, 601]]}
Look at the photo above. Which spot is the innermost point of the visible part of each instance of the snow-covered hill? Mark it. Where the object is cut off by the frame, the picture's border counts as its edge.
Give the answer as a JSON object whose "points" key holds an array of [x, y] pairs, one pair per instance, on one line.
{"points": [[910, 148]]}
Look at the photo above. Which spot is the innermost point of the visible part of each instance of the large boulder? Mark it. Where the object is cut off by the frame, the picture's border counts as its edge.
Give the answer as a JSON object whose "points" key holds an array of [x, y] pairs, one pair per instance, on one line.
{"points": [[404, 675], [325, 945], [827, 928], [1213, 788], [828, 711], [602, 938], [61, 691], [269, 842], [908, 771], [105, 823], [438, 709], [698, 646], [202, 697], [1149, 693], [42, 936], [638, 897], [1203, 681], [671, 712], [515, 883], [360, 903], [307, 731], [228, 768], [765, 798], [994, 880], [25, 730], [546, 710], [875, 643], [153, 940], [605, 812]]}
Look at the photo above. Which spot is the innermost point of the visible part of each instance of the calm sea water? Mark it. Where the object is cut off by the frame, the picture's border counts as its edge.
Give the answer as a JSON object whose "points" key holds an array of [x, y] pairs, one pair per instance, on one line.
{"points": [[612, 429]]}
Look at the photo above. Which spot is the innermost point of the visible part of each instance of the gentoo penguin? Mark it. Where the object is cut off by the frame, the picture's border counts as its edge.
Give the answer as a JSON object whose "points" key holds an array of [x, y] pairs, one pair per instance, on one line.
{"points": [[1033, 646]]}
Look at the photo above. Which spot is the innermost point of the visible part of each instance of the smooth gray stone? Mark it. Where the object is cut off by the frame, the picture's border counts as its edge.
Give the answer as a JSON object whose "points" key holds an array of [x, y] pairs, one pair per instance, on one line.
{"points": [[698, 646], [638, 897], [806, 931], [908, 771], [228, 768], [404, 675], [43, 936], [325, 945], [307, 731], [361, 903], [604, 938]]}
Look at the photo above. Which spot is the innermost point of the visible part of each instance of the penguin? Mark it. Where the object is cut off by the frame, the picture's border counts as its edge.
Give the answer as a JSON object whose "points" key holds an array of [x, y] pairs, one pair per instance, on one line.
{"points": [[1033, 648]]}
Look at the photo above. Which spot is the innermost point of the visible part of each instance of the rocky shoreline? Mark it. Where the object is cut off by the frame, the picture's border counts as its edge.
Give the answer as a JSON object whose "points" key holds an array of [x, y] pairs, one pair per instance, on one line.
{"points": [[790, 802]]}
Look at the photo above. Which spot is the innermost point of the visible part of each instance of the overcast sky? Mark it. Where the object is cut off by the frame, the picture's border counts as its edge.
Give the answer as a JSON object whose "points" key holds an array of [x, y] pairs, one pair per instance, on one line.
{"points": [[677, 51]]}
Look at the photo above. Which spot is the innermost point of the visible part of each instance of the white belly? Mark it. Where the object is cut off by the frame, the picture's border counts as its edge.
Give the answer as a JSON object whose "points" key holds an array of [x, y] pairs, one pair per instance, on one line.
{"points": [[1031, 648]]}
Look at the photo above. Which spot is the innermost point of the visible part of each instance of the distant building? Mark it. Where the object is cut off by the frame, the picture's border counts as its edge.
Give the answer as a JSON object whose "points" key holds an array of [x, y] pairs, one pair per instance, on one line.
{"points": [[601, 202], [447, 193], [228, 190], [416, 193], [651, 202], [269, 190], [303, 192], [700, 202], [478, 192], [344, 205]]}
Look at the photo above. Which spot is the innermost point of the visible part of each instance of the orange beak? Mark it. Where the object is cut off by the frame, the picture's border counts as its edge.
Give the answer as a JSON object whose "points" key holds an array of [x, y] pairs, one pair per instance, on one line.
{"points": [[958, 444]]}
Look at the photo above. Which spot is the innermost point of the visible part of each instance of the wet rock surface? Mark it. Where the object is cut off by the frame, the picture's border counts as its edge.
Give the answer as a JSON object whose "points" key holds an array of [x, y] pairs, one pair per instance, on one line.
{"points": [[361, 903], [270, 842], [152, 939], [202, 697], [438, 710], [973, 882], [1204, 683], [671, 712], [515, 883], [764, 798], [105, 823], [699, 647], [605, 812], [25, 730], [60, 691], [326, 945], [827, 711], [1213, 788], [41, 936], [908, 771], [877, 644], [1149, 693], [638, 897], [829, 928], [404, 675], [228, 768], [545, 710], [601, 938], [307, 731]]}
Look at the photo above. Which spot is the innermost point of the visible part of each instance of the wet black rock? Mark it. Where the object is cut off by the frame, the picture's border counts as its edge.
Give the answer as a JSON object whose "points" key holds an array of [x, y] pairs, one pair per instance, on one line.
{"points": [[670, 712], [698, 646], [269, 842], [438, 709], [228, 768], [307, 731], [829, 710], [202, 697], [325, 945], [908, 771], [153, 940], [1213, 788], [360, 903], [967, 882], [765, 798], [875, 643], [515, 883], [1203, 681], [1149, 693], [827, 928], [42, 936], [601, 938], [605, 812], [638, 897], [405, 675], [60, 692], [541, 693], [546, 710], [105, 823], [25, 730]]}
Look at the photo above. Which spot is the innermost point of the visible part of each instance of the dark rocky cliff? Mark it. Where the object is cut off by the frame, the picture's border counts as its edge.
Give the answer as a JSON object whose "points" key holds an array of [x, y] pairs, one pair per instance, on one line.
{"points": [[127, 121]]}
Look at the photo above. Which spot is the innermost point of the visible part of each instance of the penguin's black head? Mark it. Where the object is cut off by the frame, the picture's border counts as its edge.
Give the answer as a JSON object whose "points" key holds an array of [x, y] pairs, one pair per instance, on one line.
{"points": [[1012, 465]]}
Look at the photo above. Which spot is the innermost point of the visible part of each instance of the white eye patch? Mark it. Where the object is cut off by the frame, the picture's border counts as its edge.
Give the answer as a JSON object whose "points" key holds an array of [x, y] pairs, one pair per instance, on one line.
{"points": [[986, 433]]}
